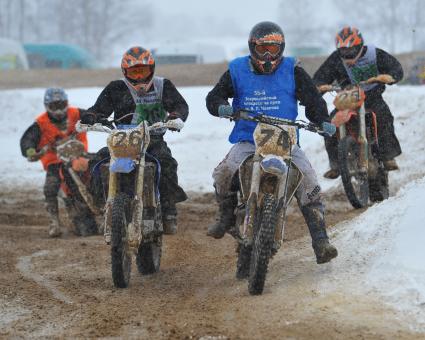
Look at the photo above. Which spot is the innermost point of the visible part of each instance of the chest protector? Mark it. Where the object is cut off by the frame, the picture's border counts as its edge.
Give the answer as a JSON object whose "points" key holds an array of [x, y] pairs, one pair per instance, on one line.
{"points": [[364, 68], [271, 94], [149, 105], [50, 133]]}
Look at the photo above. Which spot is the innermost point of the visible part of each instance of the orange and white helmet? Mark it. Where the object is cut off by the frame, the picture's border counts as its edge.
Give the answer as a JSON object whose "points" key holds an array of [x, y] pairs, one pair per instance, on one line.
{"points": [[349, 42], [138, 67]]}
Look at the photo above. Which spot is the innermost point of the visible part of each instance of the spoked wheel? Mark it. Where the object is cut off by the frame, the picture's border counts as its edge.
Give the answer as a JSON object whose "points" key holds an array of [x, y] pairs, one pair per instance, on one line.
{"points": [[263, 244], [120, 252], [355, 184], [149, 256]]}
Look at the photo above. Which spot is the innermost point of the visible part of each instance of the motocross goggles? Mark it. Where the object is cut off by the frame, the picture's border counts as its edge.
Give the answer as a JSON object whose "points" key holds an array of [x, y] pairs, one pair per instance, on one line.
{"points": [[139, 73], [349, 52], [57, 106], [272, 49]]}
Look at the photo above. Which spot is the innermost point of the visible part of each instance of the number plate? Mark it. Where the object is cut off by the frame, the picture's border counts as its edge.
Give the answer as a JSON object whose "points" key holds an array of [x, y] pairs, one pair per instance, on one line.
{"points": [[273, 140], [126, 143]]}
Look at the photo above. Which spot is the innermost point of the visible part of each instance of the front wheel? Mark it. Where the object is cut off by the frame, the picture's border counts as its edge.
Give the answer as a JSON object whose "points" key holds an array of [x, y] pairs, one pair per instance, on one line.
{"points": [[355, 184], [120, 252], [263, 244]]}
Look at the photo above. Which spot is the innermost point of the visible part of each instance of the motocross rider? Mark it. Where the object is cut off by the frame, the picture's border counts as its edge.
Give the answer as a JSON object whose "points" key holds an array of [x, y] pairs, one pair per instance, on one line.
{"points": [[264, 76], [57, 123], [153, 99], [352, 62]]}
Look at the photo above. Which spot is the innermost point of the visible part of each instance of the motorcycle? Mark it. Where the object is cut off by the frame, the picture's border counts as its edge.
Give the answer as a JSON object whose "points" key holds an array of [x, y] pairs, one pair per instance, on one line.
{"points": [[363, 175], [268, 180], [133, 221], [75, 178]]}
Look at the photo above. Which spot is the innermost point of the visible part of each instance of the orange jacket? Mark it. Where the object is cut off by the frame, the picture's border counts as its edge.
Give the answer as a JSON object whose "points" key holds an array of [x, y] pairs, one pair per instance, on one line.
{"points": [[50, 134]]}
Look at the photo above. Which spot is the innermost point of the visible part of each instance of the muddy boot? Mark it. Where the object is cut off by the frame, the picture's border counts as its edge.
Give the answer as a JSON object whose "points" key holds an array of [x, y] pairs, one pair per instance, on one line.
{"points": [[391, 165], [169, 219], [226, 216], [331, 173], [324, 251], [54, 227], [314, 217], [53, 211], [170, 225]]}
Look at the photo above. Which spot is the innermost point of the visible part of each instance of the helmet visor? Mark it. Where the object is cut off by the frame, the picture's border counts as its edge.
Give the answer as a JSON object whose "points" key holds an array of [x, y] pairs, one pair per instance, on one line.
{"points": [[272, 49], [349, 52], [140, 72]]}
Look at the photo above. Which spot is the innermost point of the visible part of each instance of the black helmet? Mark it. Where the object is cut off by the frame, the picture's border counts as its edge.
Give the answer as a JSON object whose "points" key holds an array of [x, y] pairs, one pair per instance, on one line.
{"points": [[266, 44]]}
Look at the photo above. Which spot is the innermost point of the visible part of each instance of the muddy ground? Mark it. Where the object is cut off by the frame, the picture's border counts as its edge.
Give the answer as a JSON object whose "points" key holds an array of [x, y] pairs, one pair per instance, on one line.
{"points": [[63, 287]]}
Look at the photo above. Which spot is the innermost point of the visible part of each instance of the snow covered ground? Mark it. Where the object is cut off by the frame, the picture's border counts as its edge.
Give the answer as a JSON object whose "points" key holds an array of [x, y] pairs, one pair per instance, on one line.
{"points": [[383, 247]]}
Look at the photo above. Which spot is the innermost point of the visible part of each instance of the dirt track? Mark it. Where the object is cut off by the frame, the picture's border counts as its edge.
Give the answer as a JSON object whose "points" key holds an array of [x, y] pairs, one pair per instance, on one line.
{"points": [[63, 287]]}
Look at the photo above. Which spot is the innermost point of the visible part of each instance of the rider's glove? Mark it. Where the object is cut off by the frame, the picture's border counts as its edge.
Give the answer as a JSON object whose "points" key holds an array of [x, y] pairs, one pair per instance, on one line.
{"points": [[328, 129], [173, 116], [88, 118], [382, 78], [324, 88], [225, 111], [31, 154]]}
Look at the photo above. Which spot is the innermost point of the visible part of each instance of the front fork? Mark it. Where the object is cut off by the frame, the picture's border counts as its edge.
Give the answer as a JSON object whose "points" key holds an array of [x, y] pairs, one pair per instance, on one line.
{"points": [[134, 228], [362, 140], [252, 204]]}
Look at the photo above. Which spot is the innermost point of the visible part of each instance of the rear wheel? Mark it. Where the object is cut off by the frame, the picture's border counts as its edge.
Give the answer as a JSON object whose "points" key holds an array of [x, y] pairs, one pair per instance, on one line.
{"points": [[355, 184], [263, 244], [148, 257], [120, 252]]}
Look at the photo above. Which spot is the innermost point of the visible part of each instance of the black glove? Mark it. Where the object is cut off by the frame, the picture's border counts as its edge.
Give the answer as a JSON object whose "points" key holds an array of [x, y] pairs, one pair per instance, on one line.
{"points": [[88, 118]]}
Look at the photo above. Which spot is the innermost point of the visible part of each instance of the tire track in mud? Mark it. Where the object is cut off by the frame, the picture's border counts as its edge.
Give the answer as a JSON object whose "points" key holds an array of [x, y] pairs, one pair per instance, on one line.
{"points": [[194, 295], [24, 265]]}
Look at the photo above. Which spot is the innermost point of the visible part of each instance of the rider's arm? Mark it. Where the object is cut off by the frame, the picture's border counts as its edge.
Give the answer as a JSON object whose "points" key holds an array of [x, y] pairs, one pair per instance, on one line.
{"points": [[103, 107], [173, 101], [315, 106], [387, 64], [220, 94], [327, 72], [30, 139]]}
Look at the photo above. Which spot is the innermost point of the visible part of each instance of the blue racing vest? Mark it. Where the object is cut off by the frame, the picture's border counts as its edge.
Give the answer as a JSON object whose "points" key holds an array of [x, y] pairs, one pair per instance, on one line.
{"points": [[271, 94]]}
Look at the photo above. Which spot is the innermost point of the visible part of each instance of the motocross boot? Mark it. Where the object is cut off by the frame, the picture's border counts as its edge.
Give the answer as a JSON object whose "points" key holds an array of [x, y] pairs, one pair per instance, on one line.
{"points": [[331, 173], [391, 165], [226, 215], [54, 228], [314, 217], [169, 219], [53, 211]]}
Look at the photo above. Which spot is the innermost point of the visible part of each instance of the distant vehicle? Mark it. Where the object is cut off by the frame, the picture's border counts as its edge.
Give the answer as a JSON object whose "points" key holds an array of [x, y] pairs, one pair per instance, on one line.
{"points": [[189, 53], [306, 51], [64, 56], [12, 55]]}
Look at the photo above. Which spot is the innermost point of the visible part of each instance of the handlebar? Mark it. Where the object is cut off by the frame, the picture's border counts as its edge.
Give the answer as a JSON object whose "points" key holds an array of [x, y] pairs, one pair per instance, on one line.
{"points": [[276, 121], [175, 124]]}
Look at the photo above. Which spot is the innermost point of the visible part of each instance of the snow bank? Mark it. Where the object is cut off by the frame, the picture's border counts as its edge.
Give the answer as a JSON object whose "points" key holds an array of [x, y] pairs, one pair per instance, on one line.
{"points": [[381, 252]]}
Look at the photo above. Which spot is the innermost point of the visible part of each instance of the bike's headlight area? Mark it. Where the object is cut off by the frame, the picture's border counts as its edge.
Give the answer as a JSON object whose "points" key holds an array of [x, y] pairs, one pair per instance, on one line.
{"points": [[274, 165]]}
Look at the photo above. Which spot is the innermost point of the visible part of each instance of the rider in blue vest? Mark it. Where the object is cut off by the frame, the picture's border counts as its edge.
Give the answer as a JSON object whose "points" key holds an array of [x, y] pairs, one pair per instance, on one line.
{"points": [[269, 83]]}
